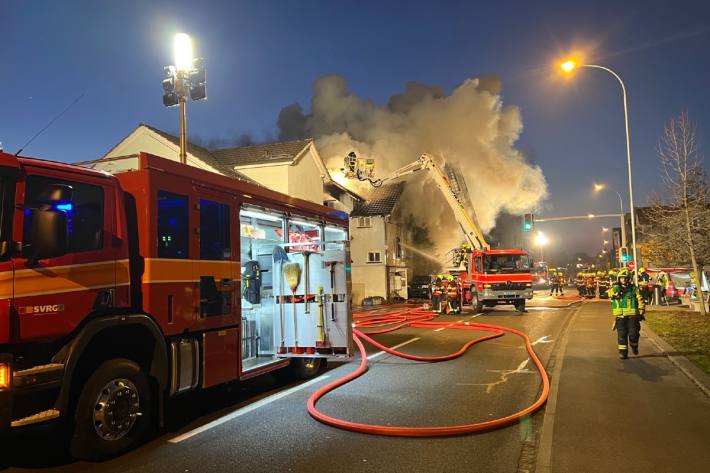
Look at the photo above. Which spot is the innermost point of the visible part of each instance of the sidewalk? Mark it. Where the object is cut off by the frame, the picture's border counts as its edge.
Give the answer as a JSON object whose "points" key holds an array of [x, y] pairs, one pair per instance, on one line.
{"points": [[610, 415]]}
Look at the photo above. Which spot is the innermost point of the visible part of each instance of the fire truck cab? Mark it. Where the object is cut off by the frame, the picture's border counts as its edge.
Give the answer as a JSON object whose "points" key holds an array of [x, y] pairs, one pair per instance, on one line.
{"points": [[494, 277], [118, 292]]}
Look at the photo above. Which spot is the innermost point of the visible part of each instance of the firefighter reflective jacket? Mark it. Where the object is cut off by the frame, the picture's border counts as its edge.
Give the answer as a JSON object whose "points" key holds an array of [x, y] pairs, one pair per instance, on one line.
{"points": [[626, 301]]}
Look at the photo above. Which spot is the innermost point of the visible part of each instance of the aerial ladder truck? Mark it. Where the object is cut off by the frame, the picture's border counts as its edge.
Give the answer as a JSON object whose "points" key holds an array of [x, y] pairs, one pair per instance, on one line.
{"points": [[487, 277]]}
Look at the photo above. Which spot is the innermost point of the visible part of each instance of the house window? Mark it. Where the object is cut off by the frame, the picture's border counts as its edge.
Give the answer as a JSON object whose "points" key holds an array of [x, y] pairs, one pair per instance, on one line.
{"points": [[364, 222], [374, 257]]}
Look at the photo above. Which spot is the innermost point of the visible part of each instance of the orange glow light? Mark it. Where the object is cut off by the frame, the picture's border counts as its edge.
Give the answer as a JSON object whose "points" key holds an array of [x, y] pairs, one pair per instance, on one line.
{"points": [[4, 376]]}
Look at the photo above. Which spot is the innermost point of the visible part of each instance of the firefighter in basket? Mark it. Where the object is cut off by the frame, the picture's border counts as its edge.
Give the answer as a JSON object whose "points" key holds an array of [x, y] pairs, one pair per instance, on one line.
{"points": [[437, 293], [453, 296], [628, 309]]}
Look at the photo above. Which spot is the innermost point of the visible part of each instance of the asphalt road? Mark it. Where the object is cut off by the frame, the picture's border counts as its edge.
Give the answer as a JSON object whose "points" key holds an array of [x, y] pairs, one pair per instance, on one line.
{"points": [[270, 429]]}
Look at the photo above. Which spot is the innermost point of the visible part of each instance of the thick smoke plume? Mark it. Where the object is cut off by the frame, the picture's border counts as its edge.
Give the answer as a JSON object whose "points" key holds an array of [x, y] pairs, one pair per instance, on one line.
{"points": [[469, 127]]}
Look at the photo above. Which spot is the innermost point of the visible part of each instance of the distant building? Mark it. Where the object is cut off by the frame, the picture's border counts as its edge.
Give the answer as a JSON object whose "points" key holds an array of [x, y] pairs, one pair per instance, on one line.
{"points": [[378, 237]]}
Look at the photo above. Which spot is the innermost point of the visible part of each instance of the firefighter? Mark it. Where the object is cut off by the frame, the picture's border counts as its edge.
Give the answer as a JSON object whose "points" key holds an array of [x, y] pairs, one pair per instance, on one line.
{"points": [[579, 282], [662, 282], [558, 281], [628, 309], [590, 285], [437, 293], [452, 295]]}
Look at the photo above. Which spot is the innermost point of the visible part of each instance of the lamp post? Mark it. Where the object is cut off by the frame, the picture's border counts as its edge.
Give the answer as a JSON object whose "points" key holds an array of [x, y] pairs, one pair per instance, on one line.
{"points": [[601, 187], [186, 77], [570, 65]]}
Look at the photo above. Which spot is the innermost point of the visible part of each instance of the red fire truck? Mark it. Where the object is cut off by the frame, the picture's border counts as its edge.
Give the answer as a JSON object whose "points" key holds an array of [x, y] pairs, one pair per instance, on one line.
{"points": [[486, 277], [118, 292]]}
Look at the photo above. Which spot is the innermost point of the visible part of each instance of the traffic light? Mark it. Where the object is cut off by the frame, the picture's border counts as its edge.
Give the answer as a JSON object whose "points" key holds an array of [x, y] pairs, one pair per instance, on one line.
{"points": [[624, 256], [528, 222]]}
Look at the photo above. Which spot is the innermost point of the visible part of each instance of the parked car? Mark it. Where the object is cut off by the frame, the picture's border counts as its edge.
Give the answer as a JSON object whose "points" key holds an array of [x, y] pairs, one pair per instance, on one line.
{"points": [[420, 287]]}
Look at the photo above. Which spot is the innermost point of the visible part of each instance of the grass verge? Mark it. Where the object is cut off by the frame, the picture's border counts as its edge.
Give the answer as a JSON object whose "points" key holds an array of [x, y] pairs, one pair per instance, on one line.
{"points": [[687, 332]]}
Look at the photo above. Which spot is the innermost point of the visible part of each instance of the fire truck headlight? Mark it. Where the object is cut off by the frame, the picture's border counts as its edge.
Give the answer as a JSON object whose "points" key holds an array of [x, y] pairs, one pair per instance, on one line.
{"points": [[4, 376]]}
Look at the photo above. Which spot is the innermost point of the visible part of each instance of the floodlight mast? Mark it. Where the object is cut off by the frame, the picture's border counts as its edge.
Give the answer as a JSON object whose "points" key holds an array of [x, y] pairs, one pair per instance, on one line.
{"points": [[467, 222]]}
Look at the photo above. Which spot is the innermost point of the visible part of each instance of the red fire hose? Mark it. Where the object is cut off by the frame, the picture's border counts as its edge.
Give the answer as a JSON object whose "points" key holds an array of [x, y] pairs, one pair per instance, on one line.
{"points": [[419, 318]]}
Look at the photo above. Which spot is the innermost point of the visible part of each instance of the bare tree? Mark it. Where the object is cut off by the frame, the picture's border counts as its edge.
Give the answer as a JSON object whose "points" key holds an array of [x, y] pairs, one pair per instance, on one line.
{"points": [[679, 217]]}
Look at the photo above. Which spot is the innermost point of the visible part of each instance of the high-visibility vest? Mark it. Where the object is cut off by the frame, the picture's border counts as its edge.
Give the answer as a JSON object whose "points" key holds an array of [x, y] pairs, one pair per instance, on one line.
{"points": [[626, 301]]}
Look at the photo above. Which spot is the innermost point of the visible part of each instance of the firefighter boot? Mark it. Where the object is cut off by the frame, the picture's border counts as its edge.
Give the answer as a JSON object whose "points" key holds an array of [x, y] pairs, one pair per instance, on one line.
{"points": [[623, 354], [634, 348]]}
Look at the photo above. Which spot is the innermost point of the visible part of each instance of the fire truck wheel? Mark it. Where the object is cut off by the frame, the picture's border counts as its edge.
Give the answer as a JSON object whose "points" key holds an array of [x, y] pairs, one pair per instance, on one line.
{"points": [[114, 412], [520, 305], [476, 303], [304, 368]]}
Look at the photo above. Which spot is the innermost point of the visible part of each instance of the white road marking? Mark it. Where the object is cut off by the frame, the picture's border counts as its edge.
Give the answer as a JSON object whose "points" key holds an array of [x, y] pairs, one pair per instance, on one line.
{"points": [[543, 340], [245, 410], [476, 315], [521, 369], [375, 355]]}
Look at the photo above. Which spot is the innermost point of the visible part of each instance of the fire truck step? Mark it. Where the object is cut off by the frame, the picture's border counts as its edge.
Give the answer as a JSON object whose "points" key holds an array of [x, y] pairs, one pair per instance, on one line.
{"points": [[36, 418]]}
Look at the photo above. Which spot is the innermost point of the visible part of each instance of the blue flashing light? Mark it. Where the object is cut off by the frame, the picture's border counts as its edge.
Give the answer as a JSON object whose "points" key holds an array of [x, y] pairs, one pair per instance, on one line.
{"points": [[68, 207], [171, 221]]}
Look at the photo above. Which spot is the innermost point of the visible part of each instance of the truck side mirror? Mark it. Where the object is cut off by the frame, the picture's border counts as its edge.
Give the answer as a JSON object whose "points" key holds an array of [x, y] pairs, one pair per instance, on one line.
{"points": [[49, 234]]}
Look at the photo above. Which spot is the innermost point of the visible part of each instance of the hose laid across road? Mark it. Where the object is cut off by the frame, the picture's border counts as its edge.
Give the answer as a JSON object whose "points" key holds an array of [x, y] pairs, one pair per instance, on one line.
{"points": [[383, 322]]}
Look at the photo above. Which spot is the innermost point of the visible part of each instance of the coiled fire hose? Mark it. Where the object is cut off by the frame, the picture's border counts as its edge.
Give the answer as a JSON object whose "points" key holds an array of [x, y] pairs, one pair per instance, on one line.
{"points": [[384, 322]]}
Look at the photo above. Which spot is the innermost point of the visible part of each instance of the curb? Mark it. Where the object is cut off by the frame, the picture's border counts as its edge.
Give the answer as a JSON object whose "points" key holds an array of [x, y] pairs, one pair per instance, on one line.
{"points": [[543, 463], [692, 372]]}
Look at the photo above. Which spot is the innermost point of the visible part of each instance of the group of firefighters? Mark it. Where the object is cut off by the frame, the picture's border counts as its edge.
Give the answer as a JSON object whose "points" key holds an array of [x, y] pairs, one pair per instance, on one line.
{"points": [[597, 284], [628, 302], [446, 295]]}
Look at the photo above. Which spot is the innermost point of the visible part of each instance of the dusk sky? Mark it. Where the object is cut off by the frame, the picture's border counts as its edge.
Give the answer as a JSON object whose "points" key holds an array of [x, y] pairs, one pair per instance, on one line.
{"points": [[263, 55]]}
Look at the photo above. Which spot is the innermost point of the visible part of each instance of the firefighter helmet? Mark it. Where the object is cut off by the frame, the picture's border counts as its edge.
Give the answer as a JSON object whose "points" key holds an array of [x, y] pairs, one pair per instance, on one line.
{"points": [[450, 278], [623, 273], [642, 270], [439, 277]]}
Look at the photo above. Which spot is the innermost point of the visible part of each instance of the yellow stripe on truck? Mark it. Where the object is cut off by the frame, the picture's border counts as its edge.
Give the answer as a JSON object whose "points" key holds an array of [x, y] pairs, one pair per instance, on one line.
{"points": [[161, 270], [68, 278]]}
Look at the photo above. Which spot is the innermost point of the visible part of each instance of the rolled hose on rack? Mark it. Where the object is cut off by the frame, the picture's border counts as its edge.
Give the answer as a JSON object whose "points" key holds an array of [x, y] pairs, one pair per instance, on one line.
{"points": [[420, 318]]}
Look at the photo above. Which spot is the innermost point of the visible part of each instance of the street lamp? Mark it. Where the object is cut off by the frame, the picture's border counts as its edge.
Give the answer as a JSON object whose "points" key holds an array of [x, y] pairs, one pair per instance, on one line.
{"points": [[186, 77], [541, 240], [601, 187], [568, 67]]}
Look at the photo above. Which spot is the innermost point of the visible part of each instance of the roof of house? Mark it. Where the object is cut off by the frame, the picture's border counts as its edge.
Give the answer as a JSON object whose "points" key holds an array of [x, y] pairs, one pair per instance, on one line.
{"points": [[273, 153], [380, 201], [201, 153]]}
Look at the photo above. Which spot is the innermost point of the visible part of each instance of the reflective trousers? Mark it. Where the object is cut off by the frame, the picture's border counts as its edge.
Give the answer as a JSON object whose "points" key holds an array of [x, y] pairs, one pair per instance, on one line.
{"points": [[628, 330]]}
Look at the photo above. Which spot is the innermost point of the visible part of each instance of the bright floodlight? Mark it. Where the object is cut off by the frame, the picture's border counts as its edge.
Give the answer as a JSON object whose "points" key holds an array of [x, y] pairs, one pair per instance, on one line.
{"points": [[541, 239], [590, 216], [599, 187], [183, 52], [605, 229], [568, 65]]}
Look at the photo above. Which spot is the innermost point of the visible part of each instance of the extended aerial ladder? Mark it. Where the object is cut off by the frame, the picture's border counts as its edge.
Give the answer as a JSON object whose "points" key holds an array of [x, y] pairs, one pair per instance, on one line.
{"points": [[363, 170]]}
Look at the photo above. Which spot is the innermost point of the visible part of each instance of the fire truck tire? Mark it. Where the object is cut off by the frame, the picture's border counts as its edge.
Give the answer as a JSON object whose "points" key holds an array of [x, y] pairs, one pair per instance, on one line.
{"points": [[476, 303], [115, 411], [520, 305], [305, 368]]}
